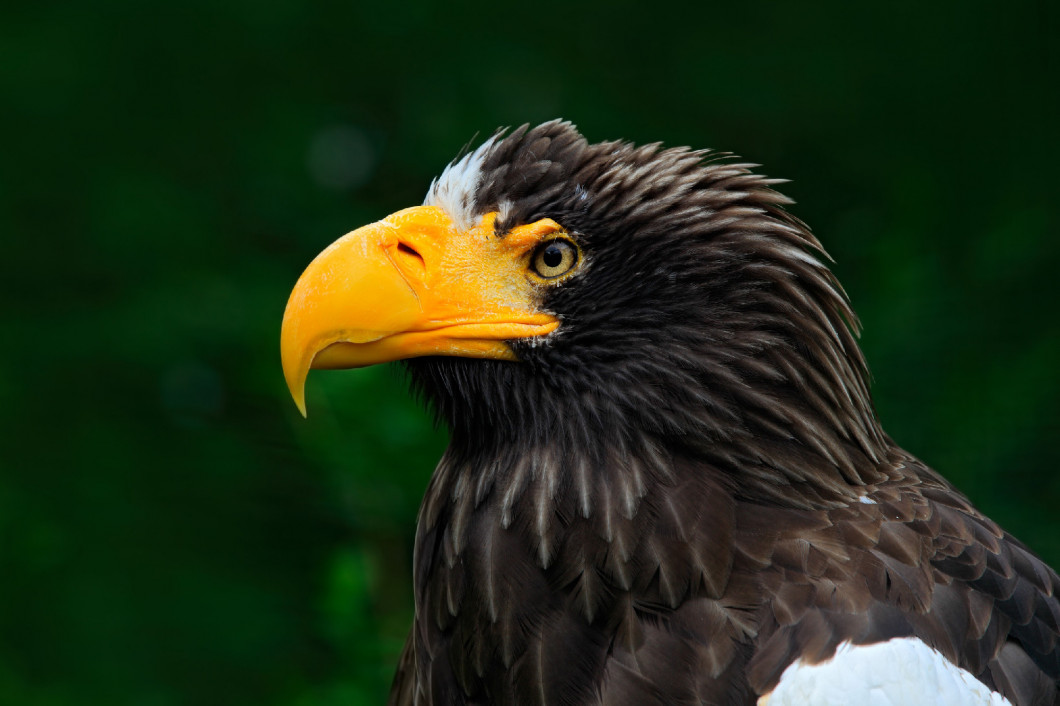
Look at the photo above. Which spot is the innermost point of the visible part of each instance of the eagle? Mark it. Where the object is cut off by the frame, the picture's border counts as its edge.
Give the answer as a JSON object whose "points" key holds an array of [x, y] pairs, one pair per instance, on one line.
{"points": [[666, 482]]}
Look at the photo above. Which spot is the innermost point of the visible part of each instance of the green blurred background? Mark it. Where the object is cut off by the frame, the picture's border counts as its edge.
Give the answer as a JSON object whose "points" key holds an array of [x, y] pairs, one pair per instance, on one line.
{"points": [[172, 532]]}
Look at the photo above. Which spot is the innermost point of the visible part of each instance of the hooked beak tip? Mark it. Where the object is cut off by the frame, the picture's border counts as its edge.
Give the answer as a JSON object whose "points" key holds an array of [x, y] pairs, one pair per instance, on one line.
{"points": [[295, 375]]}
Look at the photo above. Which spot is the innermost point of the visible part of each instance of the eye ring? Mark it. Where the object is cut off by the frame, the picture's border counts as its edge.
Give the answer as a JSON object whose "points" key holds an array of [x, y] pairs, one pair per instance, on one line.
{"points": [[554, 258]]}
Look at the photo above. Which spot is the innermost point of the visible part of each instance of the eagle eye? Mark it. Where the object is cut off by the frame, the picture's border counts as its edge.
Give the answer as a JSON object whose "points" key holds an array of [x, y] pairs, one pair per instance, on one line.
{"points": [[554, 258]]}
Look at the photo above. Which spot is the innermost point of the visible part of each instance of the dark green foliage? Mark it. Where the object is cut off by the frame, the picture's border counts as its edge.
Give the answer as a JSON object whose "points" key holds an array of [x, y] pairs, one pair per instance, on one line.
{"points": [[172, 532]]}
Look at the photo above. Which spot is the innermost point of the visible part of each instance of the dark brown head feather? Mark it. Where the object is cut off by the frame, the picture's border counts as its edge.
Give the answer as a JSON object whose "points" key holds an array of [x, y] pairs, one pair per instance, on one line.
{"points": [[703, 319]]}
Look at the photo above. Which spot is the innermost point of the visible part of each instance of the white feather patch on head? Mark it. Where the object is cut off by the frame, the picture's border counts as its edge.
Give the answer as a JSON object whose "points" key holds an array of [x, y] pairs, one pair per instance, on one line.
{"points": [[899, 672], [454, 191]]}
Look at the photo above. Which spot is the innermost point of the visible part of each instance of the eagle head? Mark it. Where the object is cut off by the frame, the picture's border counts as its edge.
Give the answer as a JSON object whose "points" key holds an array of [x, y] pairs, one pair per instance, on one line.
{"points": [[603, 297]]}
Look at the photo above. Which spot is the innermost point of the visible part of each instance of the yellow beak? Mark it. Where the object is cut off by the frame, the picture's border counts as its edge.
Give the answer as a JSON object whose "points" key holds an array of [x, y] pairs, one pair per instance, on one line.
{"points": [[412, 285]]}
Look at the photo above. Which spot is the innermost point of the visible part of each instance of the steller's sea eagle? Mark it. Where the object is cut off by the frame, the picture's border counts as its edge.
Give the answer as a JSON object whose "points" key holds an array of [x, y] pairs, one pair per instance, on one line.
{"points": [[666, 482]]}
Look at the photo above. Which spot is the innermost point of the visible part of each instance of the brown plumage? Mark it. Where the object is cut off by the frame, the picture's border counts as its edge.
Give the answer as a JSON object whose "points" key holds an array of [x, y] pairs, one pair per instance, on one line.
{"points": [[685, 488]]}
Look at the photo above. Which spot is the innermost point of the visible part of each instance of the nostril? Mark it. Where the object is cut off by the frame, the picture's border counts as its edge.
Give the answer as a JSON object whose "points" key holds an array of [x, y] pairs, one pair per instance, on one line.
{"points": [[410, 252]]}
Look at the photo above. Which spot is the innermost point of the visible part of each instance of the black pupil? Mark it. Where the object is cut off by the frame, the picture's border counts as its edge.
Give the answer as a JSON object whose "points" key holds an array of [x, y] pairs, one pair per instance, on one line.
{"points": [[553, 256]]}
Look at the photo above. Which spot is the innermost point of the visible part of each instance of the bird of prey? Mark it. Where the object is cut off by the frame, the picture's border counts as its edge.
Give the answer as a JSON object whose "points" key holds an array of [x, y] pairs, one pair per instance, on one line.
{"points": [[666, 481]]}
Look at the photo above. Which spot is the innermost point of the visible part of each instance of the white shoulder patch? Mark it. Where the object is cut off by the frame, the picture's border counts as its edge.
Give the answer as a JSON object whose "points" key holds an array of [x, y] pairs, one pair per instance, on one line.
{"points": [[454, 191], [899, 672]]}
